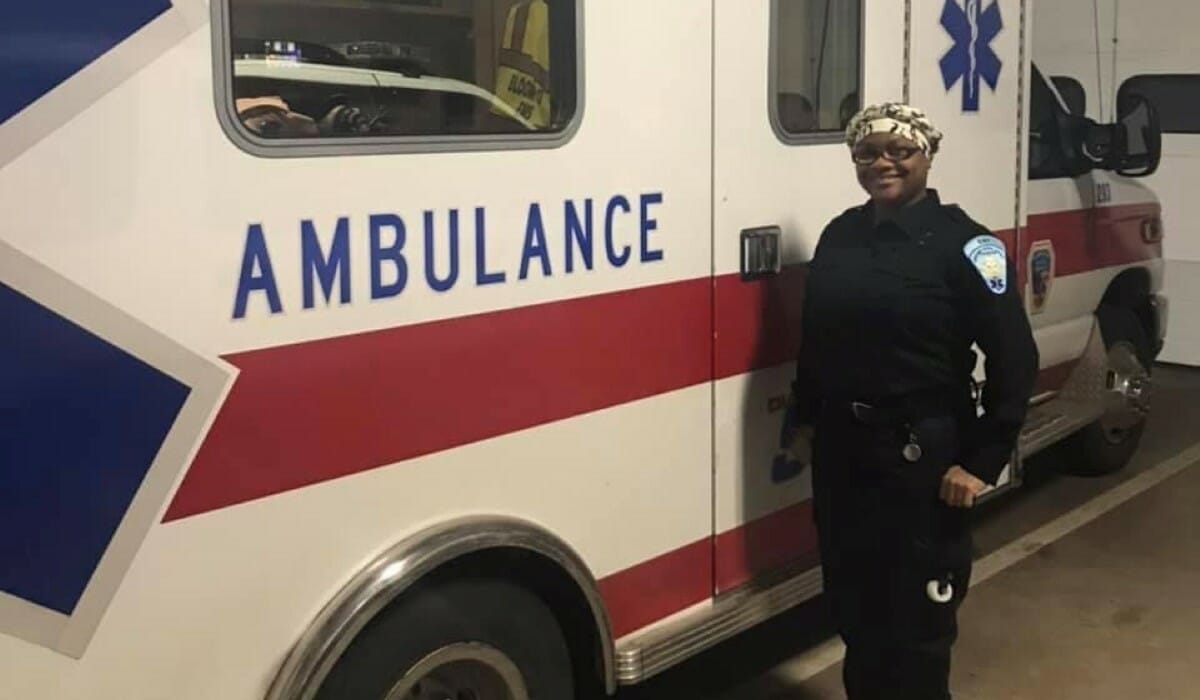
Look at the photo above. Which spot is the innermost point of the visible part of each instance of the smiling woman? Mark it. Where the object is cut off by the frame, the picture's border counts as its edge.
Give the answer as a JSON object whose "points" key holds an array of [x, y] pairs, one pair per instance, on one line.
{"points": [[899, 290]]}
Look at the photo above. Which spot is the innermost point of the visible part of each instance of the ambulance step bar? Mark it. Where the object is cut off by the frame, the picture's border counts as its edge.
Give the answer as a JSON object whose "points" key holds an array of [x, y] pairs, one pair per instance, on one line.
{"points": [[1079, 402], [647, 654], [1053, 421]]}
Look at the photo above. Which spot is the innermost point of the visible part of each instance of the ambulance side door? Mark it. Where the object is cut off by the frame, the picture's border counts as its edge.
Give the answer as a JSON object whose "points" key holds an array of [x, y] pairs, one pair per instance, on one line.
{"points": [[787, 75]]}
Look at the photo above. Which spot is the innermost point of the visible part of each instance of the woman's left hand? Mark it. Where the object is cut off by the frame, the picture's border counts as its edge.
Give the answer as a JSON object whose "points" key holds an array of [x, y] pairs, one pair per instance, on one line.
{"points": [[960, 487]]}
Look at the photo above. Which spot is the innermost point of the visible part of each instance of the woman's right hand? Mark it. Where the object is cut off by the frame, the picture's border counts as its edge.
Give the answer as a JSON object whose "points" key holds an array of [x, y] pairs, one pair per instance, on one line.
{"points": [[800, 449]]}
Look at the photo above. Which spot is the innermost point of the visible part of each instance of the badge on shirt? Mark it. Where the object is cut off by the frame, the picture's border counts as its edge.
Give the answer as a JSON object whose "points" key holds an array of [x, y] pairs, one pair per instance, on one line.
{"points": [[988, 256]]}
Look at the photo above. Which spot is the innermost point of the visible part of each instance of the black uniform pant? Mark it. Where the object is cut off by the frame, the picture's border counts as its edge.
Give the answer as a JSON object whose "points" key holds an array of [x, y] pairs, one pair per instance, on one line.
{"points": [[889, 547]]}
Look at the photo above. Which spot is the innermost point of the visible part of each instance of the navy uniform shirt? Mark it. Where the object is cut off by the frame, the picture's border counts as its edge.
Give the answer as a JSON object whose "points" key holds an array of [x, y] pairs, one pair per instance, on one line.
{"points": [[892, 311]]}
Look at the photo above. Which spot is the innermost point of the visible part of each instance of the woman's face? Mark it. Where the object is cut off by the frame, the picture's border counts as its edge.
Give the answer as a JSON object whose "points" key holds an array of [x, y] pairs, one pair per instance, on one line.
{"points": [[891, 168]]}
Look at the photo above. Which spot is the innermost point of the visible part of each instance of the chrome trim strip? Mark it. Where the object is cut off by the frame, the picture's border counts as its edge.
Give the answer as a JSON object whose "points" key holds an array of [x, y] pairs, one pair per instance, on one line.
{"points": [[1044, 397], [402, 565], [642, 657]]}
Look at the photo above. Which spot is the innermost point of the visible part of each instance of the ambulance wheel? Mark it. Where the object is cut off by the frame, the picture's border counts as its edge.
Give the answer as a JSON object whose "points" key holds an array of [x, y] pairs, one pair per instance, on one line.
{"points": [[1107, 445], [465, 639]]}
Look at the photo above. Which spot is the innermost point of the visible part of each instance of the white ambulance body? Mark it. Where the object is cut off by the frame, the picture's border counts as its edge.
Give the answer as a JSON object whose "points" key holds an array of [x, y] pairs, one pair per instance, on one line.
{"points": [[262, 389]]}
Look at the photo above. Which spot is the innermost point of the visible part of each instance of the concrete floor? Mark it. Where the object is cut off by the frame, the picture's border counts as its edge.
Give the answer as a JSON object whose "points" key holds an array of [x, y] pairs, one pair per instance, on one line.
{"points": [[1109, 611]]}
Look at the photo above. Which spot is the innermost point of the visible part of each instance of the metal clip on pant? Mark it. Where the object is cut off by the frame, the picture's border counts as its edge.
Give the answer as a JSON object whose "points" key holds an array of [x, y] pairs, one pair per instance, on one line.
{"points": [[939, 591]]}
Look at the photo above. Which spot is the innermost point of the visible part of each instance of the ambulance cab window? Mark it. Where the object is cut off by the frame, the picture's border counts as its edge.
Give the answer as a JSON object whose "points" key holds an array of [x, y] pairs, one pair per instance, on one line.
{"points": [[1073, 93], [1047, 156], [816, 67], [366, 70]]}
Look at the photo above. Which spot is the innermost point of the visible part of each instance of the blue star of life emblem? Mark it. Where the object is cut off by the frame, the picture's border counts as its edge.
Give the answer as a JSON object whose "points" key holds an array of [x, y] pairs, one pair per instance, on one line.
{"points": [[971, 58]]}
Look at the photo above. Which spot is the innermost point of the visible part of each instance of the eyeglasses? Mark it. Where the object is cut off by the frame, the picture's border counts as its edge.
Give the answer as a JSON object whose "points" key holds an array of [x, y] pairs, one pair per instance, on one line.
{"points": [[893, 151]]}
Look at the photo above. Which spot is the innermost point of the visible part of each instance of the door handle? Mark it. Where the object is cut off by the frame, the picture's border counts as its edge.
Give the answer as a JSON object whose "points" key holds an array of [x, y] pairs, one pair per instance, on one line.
{"points": [[760, 254]]}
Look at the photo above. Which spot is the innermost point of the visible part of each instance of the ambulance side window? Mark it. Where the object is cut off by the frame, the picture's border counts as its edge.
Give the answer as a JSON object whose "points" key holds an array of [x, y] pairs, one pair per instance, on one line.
{"points": [[816, 68], [395, 75]]}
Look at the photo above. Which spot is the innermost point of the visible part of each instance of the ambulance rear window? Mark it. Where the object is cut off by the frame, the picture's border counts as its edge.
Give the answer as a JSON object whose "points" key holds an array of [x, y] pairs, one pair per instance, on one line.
{"points": [[370, 75], [816, 66]]}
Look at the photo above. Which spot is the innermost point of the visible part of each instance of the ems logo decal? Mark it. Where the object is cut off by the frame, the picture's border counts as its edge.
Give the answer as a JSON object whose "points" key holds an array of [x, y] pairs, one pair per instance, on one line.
{"points": [[101, 414], [988, 255], [972, 58]]}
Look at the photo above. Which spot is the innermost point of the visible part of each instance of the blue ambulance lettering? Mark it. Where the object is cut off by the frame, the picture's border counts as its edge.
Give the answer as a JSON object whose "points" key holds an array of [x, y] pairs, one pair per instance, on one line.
{"points": [[535, 242], [257, 274], [614, 258], [384, 254], [482, 276], [548, 244], [649, 224], [579, 234], [319, 267], [441, 284]]}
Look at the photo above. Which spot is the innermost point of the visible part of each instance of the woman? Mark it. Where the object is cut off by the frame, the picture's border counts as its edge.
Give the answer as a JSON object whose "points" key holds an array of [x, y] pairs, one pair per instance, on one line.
{"points": [[899, 290]]}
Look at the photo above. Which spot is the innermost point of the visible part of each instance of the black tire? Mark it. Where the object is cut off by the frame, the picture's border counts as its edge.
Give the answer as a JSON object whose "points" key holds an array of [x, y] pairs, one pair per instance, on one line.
{"points": [[1097, 450], [478, 611]]}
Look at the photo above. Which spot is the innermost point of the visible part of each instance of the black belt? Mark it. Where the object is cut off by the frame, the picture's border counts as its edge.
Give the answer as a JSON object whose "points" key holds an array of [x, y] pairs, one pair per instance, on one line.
{"points": [[876, 417], [901, 413]]}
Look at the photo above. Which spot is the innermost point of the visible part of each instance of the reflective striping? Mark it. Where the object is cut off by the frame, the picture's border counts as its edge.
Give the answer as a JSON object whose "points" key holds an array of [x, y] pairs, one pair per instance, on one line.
{"points": [[83, 422], [47, 43], [1115, 240]]}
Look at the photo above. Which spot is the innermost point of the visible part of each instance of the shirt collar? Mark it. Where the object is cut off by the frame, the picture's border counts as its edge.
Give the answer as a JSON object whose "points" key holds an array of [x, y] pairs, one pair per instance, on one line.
{"points": [[913, 220]]}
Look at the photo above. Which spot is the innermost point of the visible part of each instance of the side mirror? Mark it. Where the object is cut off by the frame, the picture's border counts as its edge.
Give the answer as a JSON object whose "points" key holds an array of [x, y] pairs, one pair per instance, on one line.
{"points": [[1139, 138], [1099, 144]]}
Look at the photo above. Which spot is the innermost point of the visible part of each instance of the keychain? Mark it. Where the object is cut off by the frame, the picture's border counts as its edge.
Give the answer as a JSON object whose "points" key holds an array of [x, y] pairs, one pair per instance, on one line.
{"points": [[912, 451]]}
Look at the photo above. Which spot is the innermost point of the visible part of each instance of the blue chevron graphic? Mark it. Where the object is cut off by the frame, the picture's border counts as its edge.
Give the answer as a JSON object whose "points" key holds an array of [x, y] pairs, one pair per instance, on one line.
{"points": [[43, 44]]}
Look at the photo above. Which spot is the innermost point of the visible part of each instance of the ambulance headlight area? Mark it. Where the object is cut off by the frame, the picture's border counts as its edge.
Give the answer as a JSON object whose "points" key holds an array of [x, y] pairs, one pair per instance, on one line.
{"points": [[382, 349]]}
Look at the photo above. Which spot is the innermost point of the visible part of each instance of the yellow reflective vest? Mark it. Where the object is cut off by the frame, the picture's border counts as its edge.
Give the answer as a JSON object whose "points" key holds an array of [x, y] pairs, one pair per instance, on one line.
{"points": [[523, 66]]}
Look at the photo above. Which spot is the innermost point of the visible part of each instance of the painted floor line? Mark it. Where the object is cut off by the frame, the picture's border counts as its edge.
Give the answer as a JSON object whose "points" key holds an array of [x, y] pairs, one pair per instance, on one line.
{"points": [[820, 658]]}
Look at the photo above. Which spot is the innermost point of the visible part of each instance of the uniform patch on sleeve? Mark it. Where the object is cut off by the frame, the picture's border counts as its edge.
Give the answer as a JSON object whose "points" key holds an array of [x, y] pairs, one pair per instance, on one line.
{"points": [[988, 255]]}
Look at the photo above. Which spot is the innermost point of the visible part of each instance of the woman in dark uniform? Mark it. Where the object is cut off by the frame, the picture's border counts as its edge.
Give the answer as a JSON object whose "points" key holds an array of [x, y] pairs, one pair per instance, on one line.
{"points": [[899, 290]]}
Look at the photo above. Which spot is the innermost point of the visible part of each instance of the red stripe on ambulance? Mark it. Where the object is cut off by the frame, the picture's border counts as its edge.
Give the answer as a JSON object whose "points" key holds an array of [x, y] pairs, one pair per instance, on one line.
{"points": [[306, 413]]}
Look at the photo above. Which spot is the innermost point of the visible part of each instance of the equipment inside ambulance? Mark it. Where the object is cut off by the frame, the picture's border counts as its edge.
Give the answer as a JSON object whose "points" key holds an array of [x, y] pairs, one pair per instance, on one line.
{"points": [[351, 89]]}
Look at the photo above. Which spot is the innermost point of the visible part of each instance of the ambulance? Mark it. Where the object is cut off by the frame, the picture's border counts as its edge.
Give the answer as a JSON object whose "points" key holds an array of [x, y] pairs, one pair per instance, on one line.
{"points": [[390, 349]]}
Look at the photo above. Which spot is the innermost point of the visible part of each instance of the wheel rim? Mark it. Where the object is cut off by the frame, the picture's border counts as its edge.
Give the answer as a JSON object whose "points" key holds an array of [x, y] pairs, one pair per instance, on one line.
{"points": [[465, 671], [1129, 388]]}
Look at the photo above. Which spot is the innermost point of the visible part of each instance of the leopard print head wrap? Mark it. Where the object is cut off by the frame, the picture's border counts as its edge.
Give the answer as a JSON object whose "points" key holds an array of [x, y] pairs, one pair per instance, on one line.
{"points": [[895, 118]]}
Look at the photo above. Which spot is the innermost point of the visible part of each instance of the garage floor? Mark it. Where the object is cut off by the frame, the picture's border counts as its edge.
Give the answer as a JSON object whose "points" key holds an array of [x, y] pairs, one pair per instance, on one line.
{"points": [[1090, 589]]}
